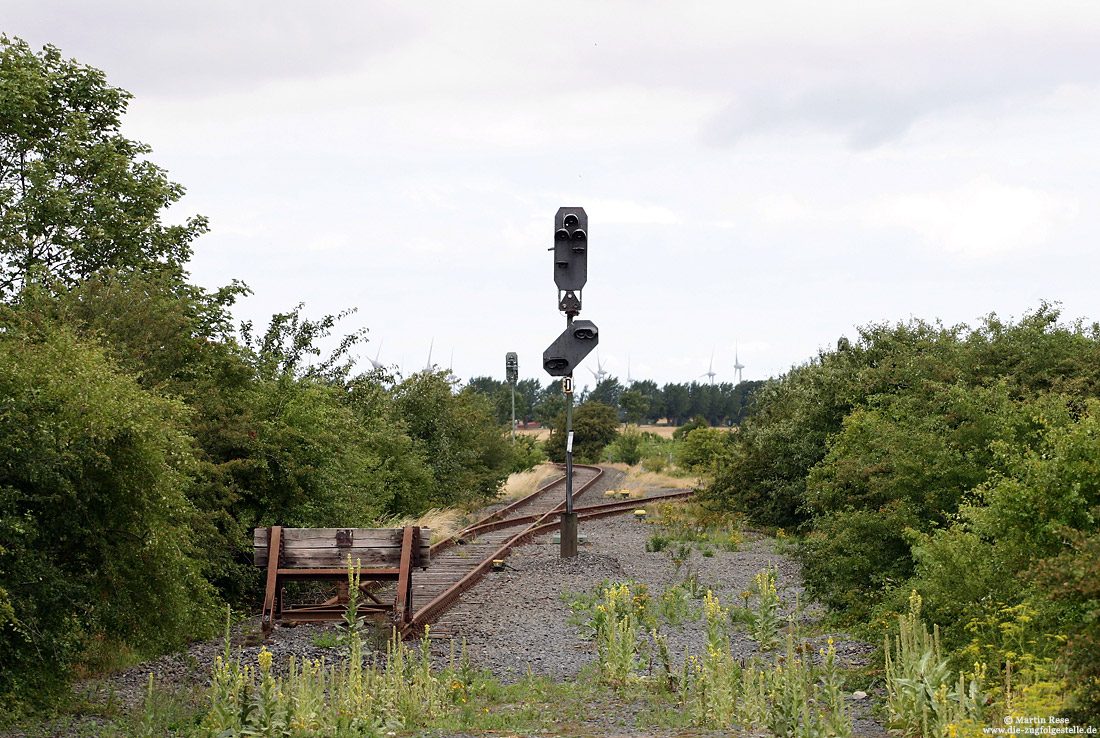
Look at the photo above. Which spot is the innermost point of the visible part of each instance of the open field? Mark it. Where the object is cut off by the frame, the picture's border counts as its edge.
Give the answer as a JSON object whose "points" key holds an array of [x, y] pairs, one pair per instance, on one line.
{"points": [[664, 431]]}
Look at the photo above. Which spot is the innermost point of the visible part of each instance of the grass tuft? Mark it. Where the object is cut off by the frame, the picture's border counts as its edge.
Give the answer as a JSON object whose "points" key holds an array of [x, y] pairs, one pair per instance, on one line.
{"points": [[525, 482]]}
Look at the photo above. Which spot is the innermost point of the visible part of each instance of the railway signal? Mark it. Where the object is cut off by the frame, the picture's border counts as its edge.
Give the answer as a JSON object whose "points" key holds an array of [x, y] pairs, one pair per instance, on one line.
{"points": [[569, 349], [576, 342], [511, 367], [511, 372], [570, 249]]}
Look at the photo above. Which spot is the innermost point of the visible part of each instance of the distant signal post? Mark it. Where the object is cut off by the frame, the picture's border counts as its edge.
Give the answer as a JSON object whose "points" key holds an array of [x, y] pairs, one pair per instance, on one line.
{"points": [[511, 372]]}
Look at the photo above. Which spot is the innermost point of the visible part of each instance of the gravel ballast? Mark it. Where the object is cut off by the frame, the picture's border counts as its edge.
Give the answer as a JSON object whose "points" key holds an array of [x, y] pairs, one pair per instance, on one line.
{"points": [[517, 621]]}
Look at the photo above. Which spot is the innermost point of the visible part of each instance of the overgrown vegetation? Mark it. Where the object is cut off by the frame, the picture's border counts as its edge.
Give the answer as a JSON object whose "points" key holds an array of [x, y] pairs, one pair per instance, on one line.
{"points": [[799, 693], [141, 436], [957, 462]]}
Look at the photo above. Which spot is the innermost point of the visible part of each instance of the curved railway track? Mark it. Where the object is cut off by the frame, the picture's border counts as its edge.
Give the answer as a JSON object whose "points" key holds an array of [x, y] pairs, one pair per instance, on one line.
{"points": [[459, 562]]}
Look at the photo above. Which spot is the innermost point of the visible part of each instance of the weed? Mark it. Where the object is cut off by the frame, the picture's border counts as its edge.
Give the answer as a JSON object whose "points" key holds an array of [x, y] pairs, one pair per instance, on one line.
{"points": [[657, 542], [327, 639], [922, 694], [694, 585], [793, 697], [674, 606], [763, 618]]}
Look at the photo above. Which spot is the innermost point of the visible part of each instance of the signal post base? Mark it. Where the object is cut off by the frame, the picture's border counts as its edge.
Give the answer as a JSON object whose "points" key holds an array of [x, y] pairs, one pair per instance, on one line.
{"points": [[568, 535]]}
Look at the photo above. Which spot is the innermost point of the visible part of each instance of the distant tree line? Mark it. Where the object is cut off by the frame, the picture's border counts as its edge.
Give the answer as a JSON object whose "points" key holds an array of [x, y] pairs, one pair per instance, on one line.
{"points": [[643, 401]]}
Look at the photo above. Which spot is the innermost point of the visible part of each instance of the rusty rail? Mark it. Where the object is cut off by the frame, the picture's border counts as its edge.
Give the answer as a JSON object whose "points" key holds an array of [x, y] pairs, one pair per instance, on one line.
{"points": [[446, 599], [532, 525]]}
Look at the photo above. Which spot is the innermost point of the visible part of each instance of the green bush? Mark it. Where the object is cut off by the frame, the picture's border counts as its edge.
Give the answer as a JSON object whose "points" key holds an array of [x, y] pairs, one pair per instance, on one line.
{"points": [[629, 447], [594, 426], [853, 557], [682, 432], [526, 454], [95, 529], [704, 449]]}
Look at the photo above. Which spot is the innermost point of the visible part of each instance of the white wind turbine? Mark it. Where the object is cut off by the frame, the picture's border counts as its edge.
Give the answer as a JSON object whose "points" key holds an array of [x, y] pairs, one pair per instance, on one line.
{"points": [[737, 365], [601, 373], [375, 363], [710, 370]]}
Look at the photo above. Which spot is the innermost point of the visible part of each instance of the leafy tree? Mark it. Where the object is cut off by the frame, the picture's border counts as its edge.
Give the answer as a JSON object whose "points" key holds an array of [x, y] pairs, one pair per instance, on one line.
{"points": [[700, 400], [594, 426], [457, 436], [177, 341], [76, 196], [649, 389], [497, 392], [742, 399], [676, 402], [95, 529], [527, 396], [290, 339], [399, 478], [607, 392], [634, 404], [775, 449], [703, 449], [550, 405]]}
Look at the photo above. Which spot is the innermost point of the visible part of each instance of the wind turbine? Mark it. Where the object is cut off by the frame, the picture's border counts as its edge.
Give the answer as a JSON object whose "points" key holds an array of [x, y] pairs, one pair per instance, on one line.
{"points": [[428, 366], [375, 363], [599, 375], [710, 370], [629, 381], [737, 365]]}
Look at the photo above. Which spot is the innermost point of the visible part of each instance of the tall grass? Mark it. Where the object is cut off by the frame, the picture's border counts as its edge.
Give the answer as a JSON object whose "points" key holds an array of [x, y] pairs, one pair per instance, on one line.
{"points": [[443, 522], [637, 477], [524, 483]]}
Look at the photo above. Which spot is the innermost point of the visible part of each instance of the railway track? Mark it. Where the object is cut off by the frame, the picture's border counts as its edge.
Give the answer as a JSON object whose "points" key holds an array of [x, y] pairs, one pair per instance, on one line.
{"points": [[459, 562]]}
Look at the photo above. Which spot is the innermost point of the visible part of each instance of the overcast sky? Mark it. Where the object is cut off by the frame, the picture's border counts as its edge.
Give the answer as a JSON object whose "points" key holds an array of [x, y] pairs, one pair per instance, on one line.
{"points": [[765, 176]]}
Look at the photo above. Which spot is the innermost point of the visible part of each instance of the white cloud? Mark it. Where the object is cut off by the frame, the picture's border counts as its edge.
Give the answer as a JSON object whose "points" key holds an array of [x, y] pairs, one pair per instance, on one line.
{"points": [[626, 211], [983, 219], [408, 158]]}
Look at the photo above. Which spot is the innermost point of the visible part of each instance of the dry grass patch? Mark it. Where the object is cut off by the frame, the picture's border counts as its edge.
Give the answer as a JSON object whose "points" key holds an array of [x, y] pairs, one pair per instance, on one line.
{"points": [[664, 431], [638, 478], [524, 483], [443, 522], [539, 433]]}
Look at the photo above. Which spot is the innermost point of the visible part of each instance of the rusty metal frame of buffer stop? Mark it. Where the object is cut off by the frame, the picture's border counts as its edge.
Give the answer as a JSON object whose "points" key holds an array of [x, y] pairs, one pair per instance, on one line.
{"points": [[325, 555]]}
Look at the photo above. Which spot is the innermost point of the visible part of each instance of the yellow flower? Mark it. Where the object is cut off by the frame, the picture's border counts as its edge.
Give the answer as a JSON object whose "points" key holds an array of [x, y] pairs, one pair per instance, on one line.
{"points": [[264, 658]]}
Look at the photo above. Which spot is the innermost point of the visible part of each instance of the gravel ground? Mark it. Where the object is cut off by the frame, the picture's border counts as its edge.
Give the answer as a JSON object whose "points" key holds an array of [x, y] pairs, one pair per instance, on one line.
{"points": [[517, 620]]}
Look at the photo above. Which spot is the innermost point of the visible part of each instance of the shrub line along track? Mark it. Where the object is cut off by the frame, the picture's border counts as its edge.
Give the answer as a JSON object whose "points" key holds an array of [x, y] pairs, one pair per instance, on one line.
{"points": [[464, 558]]}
